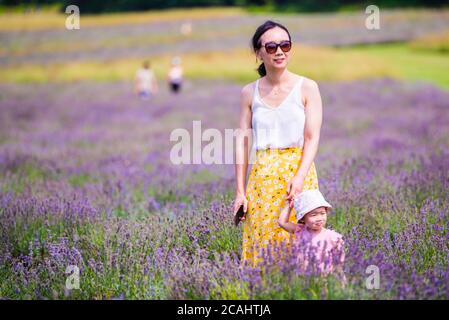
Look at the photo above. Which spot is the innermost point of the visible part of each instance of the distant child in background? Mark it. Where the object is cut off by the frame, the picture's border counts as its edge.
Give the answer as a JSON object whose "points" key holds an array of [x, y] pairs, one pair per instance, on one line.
{"points": [[175, 75], [145, 82], [316, 242], [186, 28]]}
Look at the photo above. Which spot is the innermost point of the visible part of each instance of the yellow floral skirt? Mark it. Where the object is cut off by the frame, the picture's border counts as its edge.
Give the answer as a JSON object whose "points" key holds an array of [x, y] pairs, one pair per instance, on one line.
{"points": [[266, 191]]}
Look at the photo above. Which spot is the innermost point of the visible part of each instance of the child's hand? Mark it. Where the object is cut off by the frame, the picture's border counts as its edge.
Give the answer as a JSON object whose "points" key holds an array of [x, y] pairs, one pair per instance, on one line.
{"points": [[291, 202], [294, 188], [299, 227]]}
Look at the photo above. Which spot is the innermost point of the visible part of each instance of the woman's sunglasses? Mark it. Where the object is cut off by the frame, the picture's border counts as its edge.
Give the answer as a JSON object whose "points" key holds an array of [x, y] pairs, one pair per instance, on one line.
{"points": [[272, 47]]}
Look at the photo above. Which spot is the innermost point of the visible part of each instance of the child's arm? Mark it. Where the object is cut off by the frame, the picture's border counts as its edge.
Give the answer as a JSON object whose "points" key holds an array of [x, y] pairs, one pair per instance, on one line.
{"points": [[283, 220]]}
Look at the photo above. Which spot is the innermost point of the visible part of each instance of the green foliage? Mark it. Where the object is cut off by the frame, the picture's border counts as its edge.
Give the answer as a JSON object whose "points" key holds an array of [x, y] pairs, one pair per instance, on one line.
{"points": [[98, 6], [79, 180], [227, 239], [227, 290]]}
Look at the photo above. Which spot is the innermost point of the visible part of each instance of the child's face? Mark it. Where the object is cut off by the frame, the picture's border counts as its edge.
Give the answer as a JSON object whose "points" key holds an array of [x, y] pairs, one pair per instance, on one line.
{"points": [[316, 219]]}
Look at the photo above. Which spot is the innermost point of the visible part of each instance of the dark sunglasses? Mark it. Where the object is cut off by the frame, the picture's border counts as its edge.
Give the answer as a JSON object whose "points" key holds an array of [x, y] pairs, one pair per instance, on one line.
{"points": [[272, 47]]}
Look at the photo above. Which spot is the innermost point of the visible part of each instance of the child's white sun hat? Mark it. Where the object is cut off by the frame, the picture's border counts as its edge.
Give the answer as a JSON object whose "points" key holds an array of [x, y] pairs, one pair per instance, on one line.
{"points": [[307, 201]]}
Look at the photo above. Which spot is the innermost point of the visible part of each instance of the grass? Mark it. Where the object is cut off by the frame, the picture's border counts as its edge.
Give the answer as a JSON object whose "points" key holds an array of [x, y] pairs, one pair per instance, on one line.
{"points": [[26, 175], [79, 180], [226, 239], [396, 60], [409, 63], [436, 42], [237, 64]]}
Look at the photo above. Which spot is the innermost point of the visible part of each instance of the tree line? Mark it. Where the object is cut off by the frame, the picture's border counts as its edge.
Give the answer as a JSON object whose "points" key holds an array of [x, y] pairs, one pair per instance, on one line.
{"points": [[100, 6]]}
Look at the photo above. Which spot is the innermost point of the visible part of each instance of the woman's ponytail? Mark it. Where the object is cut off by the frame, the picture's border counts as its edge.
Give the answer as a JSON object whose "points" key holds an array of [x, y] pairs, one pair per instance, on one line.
{"points": [[261, 70]]}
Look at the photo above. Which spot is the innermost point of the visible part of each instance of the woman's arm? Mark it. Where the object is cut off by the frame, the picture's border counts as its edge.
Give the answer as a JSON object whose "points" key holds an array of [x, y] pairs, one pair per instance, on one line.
{"points": [[312, 128], [244, 136], [283, 220]]}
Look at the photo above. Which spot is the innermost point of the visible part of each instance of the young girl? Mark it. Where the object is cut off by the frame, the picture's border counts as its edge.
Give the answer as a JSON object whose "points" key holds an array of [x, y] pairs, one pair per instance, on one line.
{"points": [[145, 83], [314, 242], [175, 75]]}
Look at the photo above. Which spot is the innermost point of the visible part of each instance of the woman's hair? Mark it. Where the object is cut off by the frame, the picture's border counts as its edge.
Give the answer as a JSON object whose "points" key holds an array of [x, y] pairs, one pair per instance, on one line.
{"points": [[256, 43]]}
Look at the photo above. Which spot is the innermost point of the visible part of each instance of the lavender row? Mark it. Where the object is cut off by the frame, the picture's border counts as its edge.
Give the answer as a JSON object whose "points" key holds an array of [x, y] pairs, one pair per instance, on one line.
{"points": [[139, 40], [85, 180]]}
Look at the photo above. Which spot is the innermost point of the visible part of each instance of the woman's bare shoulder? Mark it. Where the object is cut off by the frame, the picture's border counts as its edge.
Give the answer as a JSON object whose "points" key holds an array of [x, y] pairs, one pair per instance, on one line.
{"points": [[309, 88], [309, 84], [247, 92], [248, 89]]}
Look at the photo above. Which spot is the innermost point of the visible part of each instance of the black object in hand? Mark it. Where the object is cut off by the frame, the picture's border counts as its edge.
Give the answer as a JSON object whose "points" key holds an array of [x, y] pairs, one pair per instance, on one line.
{"points": [[240, 213]]}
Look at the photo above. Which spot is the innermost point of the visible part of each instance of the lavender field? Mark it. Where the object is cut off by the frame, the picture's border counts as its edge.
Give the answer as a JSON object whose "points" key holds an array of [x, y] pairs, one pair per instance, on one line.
{"points": [[136, 40], [86, 179]]}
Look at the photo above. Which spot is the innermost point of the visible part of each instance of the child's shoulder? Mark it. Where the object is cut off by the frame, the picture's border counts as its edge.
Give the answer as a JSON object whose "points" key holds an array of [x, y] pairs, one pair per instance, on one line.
{"points": [[333, 235]]}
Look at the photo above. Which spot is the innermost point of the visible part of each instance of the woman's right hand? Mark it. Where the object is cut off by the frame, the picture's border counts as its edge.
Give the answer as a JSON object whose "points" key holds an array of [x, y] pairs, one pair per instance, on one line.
{"points": [[240, 199]]}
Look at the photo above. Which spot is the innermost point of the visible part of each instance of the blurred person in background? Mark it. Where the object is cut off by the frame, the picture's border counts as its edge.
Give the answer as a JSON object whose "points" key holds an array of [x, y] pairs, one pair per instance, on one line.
{"points": [[145, 82], [186, 28], [175, 75]]}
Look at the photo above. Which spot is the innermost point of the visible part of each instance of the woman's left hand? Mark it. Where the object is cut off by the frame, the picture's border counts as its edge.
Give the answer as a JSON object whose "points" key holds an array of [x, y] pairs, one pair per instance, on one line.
{"points": [[294, 187]]}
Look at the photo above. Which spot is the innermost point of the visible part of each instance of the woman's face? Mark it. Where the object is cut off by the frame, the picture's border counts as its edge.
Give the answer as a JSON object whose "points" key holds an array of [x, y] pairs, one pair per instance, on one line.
{"points": [[279, 59], [316, 219]]}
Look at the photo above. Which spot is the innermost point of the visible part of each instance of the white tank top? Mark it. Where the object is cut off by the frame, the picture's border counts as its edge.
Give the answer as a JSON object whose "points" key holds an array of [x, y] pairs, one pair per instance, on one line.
{"points": [[175, 74], [144, 76], [280, 126]]}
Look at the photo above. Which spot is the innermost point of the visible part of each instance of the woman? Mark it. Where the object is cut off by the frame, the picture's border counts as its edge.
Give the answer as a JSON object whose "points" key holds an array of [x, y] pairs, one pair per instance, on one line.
{"points": [[284, 112]]}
